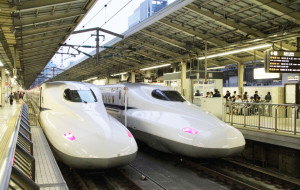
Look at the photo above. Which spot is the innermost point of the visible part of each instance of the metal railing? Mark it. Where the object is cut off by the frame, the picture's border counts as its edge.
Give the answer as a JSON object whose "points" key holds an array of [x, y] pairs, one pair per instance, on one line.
{"points": [[274, 117], [18, 167]]}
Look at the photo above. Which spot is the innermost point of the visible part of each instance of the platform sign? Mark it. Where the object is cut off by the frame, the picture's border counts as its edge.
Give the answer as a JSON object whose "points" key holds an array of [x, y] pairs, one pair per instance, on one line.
{"points": [[282, 61]]}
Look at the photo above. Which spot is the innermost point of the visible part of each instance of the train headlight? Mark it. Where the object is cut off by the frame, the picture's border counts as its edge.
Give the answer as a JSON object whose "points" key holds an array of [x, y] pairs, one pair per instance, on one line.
{"points": [[129, 134], [190, 130], [69, 136]]}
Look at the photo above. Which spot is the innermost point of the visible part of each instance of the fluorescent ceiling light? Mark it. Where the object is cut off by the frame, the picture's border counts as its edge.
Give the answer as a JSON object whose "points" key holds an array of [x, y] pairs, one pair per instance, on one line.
{"points": [[236, 51], [15, 76], [1, 64], [158, 66], [118, 74], [221, 67]]}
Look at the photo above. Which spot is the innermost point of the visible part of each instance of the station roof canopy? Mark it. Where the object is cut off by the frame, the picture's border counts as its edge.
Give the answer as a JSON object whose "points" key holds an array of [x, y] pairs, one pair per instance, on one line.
{"points": [[31, 30], [179, 32], [175, 33]]}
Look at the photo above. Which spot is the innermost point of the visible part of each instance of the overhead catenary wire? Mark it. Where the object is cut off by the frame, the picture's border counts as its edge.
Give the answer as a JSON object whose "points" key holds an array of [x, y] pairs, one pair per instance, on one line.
{"points": [[105, 19]]}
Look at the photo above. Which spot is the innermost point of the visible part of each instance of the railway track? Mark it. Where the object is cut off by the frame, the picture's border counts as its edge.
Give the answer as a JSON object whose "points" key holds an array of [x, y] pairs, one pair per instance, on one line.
{"points": [[227, 172], [113, 179], [237, 175], [234, 174], [248, 173]]}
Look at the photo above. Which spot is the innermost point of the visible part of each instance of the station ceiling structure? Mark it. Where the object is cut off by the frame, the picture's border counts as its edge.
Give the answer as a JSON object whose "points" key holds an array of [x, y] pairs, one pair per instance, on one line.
{"points": [[31, 31], [177, 32]]}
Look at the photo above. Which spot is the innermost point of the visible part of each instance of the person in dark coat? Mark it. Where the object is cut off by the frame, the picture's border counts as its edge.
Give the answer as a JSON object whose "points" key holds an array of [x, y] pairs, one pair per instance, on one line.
{"points": [[217, 93], [11, 98], [268, 97], [255, 96]]}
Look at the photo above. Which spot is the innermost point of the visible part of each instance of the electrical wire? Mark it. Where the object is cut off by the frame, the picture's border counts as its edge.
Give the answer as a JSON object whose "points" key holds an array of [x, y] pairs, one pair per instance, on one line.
{"points": [[94, 16], [116, 13]]}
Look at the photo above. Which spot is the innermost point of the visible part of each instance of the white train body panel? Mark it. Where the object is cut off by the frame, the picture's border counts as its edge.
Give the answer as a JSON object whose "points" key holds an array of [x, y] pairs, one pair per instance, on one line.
{"points": [[171, 126], [100, 141]]}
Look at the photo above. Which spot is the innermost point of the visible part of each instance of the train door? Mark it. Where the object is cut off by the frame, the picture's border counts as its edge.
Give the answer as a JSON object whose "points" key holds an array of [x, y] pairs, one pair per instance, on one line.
{"points": [[41, 98], [121, 102]]}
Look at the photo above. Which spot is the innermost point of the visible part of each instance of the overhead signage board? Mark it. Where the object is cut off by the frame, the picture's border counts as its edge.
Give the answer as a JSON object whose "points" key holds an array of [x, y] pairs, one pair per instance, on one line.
{"points": [[282, 61]]}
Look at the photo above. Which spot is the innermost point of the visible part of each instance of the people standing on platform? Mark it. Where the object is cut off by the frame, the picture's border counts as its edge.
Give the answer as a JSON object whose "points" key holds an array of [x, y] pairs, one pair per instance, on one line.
{"points": [[197, 93], [17, 96], [227, 95], [238, 99], [251, 99], [255, 96], [233, 98], [208, 95], [11, 99], [245, 96], [268, 97], [234, 94], [257, 100], [217, 93]]}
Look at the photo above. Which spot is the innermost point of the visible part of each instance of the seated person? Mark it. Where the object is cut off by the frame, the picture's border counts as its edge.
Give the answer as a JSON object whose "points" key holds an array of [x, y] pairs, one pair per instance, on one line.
{"points": [[197, 93]]}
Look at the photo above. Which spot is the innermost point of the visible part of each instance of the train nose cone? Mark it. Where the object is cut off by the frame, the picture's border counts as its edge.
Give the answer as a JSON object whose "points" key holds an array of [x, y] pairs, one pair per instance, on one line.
{"points": [[219, 142]]}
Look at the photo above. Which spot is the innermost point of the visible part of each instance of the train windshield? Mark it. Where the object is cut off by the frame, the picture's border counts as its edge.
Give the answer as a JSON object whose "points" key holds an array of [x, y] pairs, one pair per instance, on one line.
{"points": [[167, 95], [86, 96]]}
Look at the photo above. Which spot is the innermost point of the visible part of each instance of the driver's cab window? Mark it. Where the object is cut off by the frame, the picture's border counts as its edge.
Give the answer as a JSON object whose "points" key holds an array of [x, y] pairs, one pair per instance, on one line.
{"points": [[67, 94], [86, 96]]}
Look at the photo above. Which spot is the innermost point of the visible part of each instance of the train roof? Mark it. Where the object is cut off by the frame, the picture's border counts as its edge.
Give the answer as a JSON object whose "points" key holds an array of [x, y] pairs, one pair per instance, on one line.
{"points": [[74, 85], [137, 85]]}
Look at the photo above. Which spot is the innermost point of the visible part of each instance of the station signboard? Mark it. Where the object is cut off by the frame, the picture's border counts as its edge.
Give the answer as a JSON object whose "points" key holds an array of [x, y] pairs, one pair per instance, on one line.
{"points": [[282, 61]]}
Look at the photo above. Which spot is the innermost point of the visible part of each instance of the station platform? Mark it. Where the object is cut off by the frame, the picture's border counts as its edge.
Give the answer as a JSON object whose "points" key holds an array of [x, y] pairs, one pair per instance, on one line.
{"points": [[47, 172], [270, 137], [48, 175], [8, 118]]}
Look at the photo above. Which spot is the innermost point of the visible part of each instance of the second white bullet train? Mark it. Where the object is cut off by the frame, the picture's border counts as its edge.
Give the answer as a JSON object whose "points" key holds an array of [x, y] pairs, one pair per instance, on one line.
{"points": [[76, 124], [163, 119]]}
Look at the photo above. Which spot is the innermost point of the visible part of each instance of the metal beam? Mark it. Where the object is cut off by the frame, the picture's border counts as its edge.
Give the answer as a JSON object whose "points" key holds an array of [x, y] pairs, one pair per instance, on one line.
{"points": [[37, 4], [37, 53], [22, 22], [44, 56], [100, 29], [225, 22], [278, 9], [165, 39], [155, 48], [148, 55], [39, 48], [41, 44], [33, 32], [44, 37], [198, 35]]}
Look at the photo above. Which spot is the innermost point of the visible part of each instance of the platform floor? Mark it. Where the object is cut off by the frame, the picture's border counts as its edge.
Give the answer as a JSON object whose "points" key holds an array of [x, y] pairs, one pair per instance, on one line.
{"points": [[8, 117], [48, 175]]}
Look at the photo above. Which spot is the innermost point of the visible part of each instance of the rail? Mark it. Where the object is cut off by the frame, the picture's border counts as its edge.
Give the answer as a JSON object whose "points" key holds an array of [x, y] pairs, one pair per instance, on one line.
{"points": [[17, 170], [274, 117]]}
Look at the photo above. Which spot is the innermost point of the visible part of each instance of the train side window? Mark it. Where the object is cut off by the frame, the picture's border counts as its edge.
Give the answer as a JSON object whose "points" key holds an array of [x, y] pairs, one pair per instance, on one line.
{"points": [[113, 100]]}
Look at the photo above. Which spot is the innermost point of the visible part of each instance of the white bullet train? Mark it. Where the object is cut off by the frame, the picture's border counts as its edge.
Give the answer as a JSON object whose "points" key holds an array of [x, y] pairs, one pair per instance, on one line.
{"points": [[160, 117], [76, 124]]}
